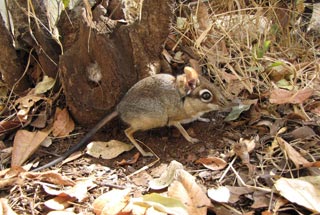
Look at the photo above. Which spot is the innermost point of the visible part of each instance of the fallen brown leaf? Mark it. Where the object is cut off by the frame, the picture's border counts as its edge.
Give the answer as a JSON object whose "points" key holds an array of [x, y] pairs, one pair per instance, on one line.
{"points": [[241, 150], [59, 202], [293, 155], [28, 101], [107, 150], [303, 191], [203, 16], [261, 200], [49, 176], [281, 96], [25, 144], [219, 194], [236, 192], [5, 208], [61, 213], [72, 157], [79, 191], [167, 176], [63, 124], [213, 163], [41, 120], [189, 192], [6, 126], [314, 107], [142, 179], [302, 132], [111, 202], [130, 161], [9, 177]]}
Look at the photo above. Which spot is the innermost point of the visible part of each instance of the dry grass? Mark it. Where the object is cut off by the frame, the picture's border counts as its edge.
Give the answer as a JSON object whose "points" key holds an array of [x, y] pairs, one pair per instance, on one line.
{"points": [[250, 46]]}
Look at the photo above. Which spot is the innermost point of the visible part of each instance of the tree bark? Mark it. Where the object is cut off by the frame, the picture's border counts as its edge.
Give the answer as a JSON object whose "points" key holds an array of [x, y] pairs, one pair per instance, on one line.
{"points": [[10, 67], [32, 31], [99, 67]]}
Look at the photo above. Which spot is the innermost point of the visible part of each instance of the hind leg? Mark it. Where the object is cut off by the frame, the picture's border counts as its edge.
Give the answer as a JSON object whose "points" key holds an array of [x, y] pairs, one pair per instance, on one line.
{"points": [[184, 132], [129, 133]]}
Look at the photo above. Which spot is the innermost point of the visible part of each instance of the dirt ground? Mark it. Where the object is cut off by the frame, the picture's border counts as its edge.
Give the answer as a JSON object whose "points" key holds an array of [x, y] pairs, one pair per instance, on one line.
{"points": [[167, 142]]}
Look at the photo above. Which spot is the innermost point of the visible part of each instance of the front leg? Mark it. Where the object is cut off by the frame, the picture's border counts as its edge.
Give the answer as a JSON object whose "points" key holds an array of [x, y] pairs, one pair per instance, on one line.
{"points": [[184, 132], [202, 119]]}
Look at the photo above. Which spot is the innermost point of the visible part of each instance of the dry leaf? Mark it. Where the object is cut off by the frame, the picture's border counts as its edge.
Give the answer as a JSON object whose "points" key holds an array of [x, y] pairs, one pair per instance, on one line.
{"points": [[61, 213], [202, 36], [49, 176], [158, 170], [130, 161], [189, 192], [111, 202], [59, 202], [302, 132], [46, 142], [72, 157], [135, 209], [250, 143], [203, 16], [292, 154], [5, 208], [79, 191], [63, 124], [304, 191], [261, 200], [107, 150], [281, 96], [11, 177], [279, 203], [220, 194], [236, 192], [40, 121], [6, 126], [142, 179], [167, 176], [213, 163], [153, 211], [241, 150], [28, 101], [26, 143], [314, 107]]}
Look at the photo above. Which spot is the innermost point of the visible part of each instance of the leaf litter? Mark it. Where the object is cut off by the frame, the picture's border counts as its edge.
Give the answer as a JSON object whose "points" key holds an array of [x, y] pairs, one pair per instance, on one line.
{"points": [[269, 140]]}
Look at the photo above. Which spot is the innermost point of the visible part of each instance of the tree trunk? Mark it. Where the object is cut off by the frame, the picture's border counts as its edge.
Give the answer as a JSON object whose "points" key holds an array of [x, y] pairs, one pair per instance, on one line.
{"points": [[10, 67], [32, 31], [98, 67]]}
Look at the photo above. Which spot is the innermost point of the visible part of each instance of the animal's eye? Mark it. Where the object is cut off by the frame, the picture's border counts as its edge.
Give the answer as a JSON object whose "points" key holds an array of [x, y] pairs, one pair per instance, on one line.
{"points": [[205, 95]]}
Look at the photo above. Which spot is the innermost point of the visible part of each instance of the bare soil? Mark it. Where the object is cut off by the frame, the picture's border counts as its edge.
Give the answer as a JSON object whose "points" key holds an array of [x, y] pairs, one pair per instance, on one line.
{"points": [[167, 143]]}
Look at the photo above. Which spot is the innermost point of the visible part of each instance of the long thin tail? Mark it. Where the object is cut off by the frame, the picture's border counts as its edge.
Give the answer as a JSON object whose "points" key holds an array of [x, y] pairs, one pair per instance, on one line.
{"points": [[84, 141]]}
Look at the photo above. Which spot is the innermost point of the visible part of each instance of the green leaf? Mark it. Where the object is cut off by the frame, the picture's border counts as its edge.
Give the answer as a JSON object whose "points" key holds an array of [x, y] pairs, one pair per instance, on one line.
{"points": [[260, 52], [277, 63], [66, 3], [266, 45], [46, 84], [236, 111], [284, 84], [165, 201]]}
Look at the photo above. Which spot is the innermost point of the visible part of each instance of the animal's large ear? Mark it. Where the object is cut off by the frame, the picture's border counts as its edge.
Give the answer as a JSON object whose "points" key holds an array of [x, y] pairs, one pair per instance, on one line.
{"points": [[192, 79]]}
